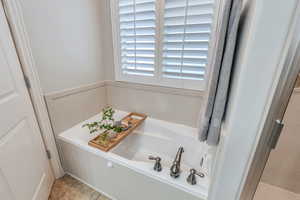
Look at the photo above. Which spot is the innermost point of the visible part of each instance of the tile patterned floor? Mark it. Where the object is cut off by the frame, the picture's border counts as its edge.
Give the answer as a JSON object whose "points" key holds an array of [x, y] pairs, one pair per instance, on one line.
{"points": [[68, 188]]}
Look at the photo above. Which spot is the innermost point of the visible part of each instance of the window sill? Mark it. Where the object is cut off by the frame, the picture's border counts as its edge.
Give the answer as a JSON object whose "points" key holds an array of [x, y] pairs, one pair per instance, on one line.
{"points": [[155, 88]]}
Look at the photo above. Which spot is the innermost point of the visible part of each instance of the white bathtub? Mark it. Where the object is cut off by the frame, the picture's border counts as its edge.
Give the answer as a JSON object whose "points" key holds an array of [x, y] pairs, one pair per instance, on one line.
{"points": [[125, 173]]}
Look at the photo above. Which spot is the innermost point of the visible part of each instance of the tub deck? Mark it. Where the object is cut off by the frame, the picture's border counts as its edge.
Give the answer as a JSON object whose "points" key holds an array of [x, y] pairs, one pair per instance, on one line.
{"points": [[118, 172]]}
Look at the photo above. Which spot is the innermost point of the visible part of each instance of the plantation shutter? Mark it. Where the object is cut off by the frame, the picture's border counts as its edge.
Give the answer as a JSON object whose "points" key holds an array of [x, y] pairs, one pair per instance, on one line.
{"points": [[186, 37], [137, 36]]}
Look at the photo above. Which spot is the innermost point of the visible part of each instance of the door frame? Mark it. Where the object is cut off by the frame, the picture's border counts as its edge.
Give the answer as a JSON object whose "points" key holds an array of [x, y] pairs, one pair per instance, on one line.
{"points": [[253, 93], [14, 15], [284, 89]]}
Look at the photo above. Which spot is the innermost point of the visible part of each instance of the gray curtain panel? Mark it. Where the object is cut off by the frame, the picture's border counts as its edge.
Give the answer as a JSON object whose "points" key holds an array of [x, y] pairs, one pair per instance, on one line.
{"points": [[212, 115]]}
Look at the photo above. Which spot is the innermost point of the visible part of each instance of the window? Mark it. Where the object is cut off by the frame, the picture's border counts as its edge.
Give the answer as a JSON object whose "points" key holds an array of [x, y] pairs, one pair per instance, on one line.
{"points": [[163, 42]]}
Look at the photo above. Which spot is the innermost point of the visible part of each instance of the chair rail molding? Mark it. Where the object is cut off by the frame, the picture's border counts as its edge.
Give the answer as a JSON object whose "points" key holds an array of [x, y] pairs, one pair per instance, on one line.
{"points": [[15, 19]]}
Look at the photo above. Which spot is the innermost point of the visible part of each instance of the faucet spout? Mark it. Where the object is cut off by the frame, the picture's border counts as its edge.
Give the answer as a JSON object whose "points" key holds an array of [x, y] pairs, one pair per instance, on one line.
{"points": [[175, 168]]}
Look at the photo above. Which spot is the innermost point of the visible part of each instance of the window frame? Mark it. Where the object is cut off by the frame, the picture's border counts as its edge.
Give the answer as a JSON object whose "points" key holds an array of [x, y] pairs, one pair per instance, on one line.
{"points": [[157, 79]]}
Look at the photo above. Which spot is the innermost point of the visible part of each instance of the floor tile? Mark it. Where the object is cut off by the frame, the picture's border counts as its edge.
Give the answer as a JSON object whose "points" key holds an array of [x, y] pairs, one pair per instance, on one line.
{"points": [[266, 191], [68, 188]]}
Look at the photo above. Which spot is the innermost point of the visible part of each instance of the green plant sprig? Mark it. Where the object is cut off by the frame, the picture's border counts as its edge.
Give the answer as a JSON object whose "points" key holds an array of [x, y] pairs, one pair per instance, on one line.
{"points": [[106, 123]]}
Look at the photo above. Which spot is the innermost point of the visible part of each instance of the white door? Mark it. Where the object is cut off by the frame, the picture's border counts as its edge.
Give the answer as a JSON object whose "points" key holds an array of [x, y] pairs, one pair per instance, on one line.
{"points": [[25, 172]]}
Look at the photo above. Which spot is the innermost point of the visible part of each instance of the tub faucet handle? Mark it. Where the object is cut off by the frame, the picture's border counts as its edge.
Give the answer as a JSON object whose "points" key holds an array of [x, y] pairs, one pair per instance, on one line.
{"points": [[157, 166], [191, 179]]}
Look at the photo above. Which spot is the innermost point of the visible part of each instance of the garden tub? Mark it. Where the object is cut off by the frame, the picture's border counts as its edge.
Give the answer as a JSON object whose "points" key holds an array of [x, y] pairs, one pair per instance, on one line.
{"points": [[125, 173]]}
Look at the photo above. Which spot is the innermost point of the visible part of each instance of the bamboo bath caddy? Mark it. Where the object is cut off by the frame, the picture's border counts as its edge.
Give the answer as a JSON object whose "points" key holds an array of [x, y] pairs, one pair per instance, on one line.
{"points": [[134, 119]]}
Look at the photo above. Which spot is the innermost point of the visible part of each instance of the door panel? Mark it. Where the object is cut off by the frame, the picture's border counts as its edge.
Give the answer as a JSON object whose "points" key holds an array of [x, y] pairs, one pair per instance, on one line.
{"points": [[11, 144], [4, 188], [6, 83], [25, 172], [10, 96]]}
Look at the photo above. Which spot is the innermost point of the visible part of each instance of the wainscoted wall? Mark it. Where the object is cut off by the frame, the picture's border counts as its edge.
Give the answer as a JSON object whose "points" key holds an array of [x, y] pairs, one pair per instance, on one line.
{"points": [[283, 167], [69, 107], [174, 105]]}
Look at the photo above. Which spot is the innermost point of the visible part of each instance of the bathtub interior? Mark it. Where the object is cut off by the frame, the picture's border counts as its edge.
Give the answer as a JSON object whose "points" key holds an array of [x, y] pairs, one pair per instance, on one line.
{"points": [[140, 144]]}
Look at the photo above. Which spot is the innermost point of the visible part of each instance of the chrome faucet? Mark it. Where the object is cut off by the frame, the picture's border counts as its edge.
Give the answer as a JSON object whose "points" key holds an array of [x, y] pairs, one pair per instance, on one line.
{"points": [[175, 168], [191, 179], [157, 166]]}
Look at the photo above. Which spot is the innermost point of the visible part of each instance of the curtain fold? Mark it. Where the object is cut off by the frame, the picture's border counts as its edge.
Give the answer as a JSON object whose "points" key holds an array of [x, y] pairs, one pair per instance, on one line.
{"points": [[216, 97]]}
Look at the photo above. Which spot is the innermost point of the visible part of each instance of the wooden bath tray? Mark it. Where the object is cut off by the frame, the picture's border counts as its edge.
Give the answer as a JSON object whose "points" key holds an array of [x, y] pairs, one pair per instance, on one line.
{"points": [[134, 119]]}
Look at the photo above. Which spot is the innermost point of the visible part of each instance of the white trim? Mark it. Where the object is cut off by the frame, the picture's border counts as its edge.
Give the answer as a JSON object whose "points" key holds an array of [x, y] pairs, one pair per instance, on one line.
{"points": [[72, 91], [115, 37], [152, 88], [15, 19], [214, 41]]}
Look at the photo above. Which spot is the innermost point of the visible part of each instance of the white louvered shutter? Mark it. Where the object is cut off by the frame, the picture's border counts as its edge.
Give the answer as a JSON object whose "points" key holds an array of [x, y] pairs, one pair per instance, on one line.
{"points": [[137, 21], [186, 37]]}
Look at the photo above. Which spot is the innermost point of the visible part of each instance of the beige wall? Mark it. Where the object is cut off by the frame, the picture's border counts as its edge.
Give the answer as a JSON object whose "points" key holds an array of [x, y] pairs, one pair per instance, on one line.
{"points": [[170, 104], [72, 45], [108, 58], [283, 167], [66, 40], [71, 106]]}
